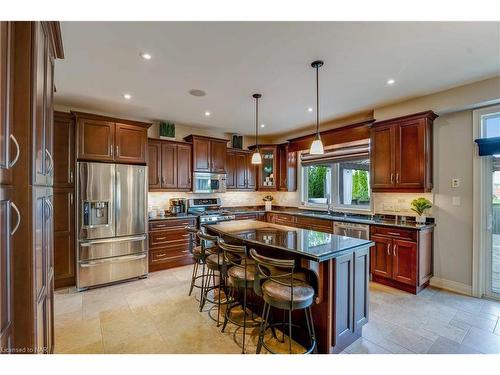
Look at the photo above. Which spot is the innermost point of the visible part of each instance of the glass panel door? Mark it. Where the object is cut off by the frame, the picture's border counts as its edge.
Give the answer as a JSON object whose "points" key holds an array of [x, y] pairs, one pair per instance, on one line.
{"points": [[493, 256]]}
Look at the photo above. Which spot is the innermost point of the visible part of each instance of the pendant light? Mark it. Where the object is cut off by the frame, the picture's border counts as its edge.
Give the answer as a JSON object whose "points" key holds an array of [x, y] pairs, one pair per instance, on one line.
{"points": [[256, 157], [317, 145]]}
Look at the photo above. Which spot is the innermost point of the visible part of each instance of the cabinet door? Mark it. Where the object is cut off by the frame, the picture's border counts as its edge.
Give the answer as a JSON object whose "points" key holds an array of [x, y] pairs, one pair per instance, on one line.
{"points": [[130, 143], [383, 157], [251, 173], [64, 237], [201, 155], [410, 155], [64, 150], [282, 168], [241, 170], [96, 139], [231, 170], [218, 157], [6, 271], [49, 118], [184, 167], [5, 103], [268, 169], [404, 267], [168, 166], [39, 155], [39, 241], [154, 165], [381, 257]]}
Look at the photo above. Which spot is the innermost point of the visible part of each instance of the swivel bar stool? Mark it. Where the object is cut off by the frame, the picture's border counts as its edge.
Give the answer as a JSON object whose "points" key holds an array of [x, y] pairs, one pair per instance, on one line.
{"points": [[283, 291], [199, 253], [238, 272]]}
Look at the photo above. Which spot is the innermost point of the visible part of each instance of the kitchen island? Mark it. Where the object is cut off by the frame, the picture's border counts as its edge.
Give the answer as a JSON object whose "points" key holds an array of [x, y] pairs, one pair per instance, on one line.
{"points": [[336, 266]]}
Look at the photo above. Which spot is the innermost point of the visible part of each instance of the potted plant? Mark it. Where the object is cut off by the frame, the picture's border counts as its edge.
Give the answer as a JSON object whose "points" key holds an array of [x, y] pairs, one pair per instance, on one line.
{"points": [[419, 205], [268, 201], [167, 130]]}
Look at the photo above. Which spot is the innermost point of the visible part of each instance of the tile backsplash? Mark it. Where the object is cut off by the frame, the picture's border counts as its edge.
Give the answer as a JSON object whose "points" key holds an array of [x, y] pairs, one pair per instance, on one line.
{"points": [[398, 203], [228, 199]]}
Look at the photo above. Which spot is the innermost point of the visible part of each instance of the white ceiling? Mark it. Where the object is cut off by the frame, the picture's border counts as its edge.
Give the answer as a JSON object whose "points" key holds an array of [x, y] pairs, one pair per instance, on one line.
{"points": [[232, 60]]}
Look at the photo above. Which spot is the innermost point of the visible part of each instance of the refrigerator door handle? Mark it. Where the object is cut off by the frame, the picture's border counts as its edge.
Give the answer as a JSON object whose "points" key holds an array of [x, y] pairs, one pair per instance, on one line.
{"points": [[113, 260], [110, 240]]}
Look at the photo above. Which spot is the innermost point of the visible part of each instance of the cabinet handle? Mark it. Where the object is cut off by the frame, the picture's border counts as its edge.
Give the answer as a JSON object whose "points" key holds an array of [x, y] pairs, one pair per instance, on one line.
{"points": [[392, 178], [111, 150], [163, 180], [71, 198], [51, 161], [16, 158], [50, 206], [117, 150], [388, 249], [71, 177], [394, 233], [14, 230], [394, 249], [397, 178]]}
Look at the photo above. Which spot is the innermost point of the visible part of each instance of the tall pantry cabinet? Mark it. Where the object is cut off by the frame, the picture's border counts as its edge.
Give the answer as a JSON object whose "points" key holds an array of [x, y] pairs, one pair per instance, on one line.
{"points": [[34, 47]]}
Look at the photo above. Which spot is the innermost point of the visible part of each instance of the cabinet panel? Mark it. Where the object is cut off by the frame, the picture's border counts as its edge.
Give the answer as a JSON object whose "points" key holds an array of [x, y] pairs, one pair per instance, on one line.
{"points": [[184, 167], [201, 155], [130, 143], [404, 267], [231, 170], [361, 288], [168, 166], [64, 152], [343, 298], [251, 174], [218, 156], [96, 139], [49, 118], [5, 103], [381, 257], [154, 165], [39, 246], [410, 155], [241, 171], [382, 157], [64, 237]]}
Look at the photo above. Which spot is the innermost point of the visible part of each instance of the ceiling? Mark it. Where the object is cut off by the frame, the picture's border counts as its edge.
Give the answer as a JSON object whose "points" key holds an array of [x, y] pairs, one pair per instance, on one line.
{"points": [[233, 60]]}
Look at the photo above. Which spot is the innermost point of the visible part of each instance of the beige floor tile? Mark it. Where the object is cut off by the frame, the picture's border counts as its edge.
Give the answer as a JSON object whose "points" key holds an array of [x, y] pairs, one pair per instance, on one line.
{"points": [[479, 320], [410, 340], [445, 346], [148, 344], [447, 330], [482, 341], [93, 348], [491, 307], [80, 334], [364, 346]]}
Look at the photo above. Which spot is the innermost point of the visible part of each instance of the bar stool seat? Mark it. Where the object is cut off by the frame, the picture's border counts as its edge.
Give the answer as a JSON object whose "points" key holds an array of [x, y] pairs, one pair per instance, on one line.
{"points": [[280, 296], [237, 275], [215, 261], [198, 251]]}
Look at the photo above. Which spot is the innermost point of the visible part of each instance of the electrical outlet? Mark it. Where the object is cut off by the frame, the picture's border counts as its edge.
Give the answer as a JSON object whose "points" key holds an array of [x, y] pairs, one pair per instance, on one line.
{"points": [[388, 207], [456, 201], [455, 182]]}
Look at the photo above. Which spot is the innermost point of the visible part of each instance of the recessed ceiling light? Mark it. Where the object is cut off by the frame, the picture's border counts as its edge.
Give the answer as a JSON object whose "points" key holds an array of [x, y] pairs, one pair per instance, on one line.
{"points": [[145, 55], [207, 113], [309, 109], [391, 81], [197, 92], [262, 125], [127, 96]]}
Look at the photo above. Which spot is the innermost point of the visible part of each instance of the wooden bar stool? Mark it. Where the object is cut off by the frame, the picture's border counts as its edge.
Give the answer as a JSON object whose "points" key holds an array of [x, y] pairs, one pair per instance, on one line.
{"points": [[276, 282], [238, 272]]}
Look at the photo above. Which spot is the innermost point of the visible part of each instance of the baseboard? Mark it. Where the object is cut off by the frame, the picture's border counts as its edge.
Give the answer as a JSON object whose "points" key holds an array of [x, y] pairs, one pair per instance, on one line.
{"points": [[451, 285]]}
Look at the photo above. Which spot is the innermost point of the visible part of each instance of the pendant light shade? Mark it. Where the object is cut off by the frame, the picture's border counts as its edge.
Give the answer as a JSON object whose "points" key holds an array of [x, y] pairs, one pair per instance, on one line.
{"points": [[256, 157], [317, 145]]}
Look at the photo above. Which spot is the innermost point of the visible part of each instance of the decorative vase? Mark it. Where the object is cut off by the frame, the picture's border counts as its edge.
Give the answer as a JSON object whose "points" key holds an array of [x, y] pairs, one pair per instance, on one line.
{"points": [[268, 205], [421, 219]]}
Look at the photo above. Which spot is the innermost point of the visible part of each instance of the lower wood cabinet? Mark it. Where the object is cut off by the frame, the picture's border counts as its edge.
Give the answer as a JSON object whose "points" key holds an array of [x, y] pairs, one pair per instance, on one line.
{"points": [[401, 258], [64, 237], [169, 243], [252, 216]]}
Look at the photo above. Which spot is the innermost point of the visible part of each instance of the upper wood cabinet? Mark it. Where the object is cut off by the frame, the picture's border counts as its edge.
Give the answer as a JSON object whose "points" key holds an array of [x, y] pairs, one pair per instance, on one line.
{"points": [[287, 168], [240, 170], [64, 149], [107, 139], [401, 154], [169, 165], [209, 154]]}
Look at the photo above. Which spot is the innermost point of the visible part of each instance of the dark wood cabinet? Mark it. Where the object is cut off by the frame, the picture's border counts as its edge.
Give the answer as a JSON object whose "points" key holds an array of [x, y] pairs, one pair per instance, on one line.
{"points": [[287, 168], [267, 172], [169, 243], [209, 154], [240, 170], [35, 46], [107, 139], [169, 165], [401, 154], [64, 149], [401, 258]]}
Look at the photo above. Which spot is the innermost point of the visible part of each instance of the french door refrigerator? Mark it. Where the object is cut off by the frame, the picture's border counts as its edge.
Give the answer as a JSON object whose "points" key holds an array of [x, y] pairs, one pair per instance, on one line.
{"points": [[111, 222]]}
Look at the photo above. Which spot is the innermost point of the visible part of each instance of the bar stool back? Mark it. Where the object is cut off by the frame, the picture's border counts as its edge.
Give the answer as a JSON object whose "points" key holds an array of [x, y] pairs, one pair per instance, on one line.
{"points": [[276, 282], [199, 255]]}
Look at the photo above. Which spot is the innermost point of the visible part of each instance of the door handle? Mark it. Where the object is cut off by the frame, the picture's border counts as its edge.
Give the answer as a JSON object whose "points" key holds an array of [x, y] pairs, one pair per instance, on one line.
{"points": [[394, 249], [16, 158], [388, 249], [16, 227], [108, 260], [51, 161], [95, 242]]}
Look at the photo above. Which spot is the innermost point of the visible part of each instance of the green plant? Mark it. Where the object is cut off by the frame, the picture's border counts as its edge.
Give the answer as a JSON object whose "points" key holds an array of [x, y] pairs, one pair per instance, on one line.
{"points": [[419, 205], [268, 198], [360, 185], [167, 129], [316, 176]]}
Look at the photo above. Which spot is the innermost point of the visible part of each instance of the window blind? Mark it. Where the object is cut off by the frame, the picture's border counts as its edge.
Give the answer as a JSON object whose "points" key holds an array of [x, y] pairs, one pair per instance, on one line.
{"points": [[341, 152]]}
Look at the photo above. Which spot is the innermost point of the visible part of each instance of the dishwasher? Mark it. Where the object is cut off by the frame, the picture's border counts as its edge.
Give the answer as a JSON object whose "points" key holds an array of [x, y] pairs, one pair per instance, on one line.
{"points": [[354, 230]]}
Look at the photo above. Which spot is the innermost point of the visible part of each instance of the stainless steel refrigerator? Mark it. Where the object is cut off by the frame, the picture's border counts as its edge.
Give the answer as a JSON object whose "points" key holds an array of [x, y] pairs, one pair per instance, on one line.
{"points": [[111, 224]]}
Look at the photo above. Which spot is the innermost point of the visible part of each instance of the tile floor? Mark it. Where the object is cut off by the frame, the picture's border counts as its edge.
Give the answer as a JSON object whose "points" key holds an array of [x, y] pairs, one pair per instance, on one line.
{"points": [[155, 315]]}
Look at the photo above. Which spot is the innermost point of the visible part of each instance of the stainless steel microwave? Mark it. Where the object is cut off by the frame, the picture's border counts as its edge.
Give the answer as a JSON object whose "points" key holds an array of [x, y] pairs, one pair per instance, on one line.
{"points": [[209, 183]]}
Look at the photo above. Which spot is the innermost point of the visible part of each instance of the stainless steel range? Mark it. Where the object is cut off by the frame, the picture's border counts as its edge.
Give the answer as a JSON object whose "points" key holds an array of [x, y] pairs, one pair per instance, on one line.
{"points": [[208, 210]]}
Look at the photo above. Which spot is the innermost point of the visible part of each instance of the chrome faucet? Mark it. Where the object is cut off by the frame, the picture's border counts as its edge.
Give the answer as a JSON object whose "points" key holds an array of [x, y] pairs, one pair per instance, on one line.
{"points": [[328, 204]]}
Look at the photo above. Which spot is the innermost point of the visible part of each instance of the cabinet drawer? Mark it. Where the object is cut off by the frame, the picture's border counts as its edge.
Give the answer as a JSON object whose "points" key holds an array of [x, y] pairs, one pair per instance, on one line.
{"points": [[406, 234], [162, 238], [168, 255], [173, 224], [284, 219], [314, 224], [246, 217]]}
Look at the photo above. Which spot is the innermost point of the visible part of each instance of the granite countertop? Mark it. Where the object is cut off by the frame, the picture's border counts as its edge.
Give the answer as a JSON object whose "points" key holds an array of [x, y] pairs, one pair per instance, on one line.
{"points": [[348, 218], [314, 245], [172, 217]]}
